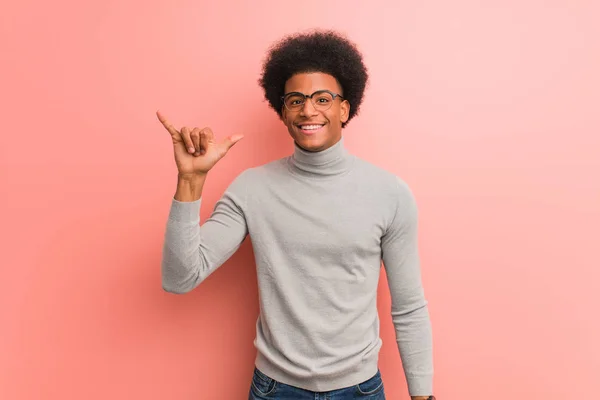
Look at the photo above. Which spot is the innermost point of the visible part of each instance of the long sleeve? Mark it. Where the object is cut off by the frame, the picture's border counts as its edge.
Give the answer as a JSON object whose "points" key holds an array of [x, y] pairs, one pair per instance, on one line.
{"points": [[410, 313], [191, 252]]}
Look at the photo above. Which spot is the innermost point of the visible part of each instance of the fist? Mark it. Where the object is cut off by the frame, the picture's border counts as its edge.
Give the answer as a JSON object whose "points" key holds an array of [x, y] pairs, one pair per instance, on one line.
{"points": [[195, 149]]}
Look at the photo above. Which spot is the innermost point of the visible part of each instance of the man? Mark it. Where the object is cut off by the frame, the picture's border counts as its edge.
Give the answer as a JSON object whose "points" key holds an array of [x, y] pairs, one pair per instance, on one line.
{"points": [[321, 222]]}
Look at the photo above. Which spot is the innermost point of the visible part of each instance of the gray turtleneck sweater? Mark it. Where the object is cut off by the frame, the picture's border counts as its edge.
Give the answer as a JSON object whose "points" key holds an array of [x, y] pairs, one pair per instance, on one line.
{"points": [[320, 225]]}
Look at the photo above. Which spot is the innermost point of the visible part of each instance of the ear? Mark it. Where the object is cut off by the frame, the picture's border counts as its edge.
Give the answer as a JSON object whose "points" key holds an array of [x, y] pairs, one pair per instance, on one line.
{"points": [[344, 111]]}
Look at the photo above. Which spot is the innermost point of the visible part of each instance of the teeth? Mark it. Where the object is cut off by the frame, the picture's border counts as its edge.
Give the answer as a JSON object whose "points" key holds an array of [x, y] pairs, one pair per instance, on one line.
{"points": [[310, 127]]}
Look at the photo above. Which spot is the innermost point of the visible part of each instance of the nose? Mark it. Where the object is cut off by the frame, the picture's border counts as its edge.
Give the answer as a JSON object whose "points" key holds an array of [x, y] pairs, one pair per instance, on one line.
{"points": [[308, 108]]}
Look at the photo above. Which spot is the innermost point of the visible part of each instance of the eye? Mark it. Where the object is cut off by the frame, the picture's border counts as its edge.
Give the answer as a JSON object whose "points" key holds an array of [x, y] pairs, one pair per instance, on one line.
{"points": [[323, 98], [294, 100]]}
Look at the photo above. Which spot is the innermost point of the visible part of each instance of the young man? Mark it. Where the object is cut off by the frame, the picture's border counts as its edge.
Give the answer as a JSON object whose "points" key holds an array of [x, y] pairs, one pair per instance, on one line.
{"points": [[321, 222]]}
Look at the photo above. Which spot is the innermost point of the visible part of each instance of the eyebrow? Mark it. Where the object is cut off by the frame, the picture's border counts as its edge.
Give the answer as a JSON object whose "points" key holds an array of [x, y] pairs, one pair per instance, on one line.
{"points": [[319, 90], [316, 91]]}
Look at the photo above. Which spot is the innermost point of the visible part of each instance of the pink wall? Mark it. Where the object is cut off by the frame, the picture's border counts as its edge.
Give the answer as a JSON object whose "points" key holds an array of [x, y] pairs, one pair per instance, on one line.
{"points": [[489, 110]]}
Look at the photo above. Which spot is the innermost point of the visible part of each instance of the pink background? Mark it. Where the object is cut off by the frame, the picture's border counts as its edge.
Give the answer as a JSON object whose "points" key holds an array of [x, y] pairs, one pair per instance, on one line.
{"points": [[489, 110]]}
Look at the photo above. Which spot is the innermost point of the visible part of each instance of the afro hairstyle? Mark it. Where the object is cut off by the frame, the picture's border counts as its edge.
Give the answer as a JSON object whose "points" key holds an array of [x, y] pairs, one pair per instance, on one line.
{"points": [[322, 51]]}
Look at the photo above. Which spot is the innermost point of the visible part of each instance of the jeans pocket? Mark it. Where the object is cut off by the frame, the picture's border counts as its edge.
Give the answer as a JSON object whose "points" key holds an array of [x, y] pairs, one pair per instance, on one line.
{"points": [[262, 384], [371, 386]]}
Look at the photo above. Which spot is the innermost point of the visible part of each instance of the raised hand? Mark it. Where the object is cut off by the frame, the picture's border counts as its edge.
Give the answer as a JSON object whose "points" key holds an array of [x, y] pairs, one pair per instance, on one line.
{"points": [[196, 150]]}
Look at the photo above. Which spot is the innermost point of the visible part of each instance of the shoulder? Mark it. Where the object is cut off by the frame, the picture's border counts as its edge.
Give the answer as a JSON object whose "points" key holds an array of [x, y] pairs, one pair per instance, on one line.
{"points": [[394, 195], [384, 181], [258, 175], [372, 171], [259, 172]]}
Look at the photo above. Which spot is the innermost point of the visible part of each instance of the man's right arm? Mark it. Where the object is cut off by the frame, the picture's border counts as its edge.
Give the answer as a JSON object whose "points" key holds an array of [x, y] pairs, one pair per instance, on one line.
{"points": [[189, 188], [191, 252]]}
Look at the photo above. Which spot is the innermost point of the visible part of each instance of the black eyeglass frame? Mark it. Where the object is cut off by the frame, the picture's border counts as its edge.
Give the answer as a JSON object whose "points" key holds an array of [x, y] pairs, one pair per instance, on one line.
{"points": [[333, 95]]}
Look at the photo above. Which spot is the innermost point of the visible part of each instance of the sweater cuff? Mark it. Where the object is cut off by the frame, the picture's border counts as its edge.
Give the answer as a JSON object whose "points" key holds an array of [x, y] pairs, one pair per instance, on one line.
{"points": [[421, 385], [185, 211]]}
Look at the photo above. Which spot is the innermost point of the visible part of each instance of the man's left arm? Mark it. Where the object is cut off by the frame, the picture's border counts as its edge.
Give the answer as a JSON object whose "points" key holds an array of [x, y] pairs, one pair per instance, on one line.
{"points": [[410, 313]]}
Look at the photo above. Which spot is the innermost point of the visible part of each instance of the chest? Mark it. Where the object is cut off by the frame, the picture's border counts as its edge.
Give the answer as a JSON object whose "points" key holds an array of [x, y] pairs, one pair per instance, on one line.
{"points": [[322, 222]]}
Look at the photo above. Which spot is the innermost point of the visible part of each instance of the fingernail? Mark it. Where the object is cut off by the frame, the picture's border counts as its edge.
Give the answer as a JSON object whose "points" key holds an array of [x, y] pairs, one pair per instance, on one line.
{"points": [[191, 149]]}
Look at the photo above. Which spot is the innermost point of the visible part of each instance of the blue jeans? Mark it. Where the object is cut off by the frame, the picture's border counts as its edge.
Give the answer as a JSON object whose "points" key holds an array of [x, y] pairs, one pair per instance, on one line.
{"points": [[266, 388]]}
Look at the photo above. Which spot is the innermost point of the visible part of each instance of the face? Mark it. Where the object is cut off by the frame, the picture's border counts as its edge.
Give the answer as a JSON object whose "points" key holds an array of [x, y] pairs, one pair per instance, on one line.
{"points": [[299, 123]]}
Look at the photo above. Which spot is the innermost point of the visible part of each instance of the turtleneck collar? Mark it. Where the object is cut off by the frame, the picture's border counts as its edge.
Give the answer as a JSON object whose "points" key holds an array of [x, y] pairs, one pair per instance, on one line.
{"points": [[332, 161]]}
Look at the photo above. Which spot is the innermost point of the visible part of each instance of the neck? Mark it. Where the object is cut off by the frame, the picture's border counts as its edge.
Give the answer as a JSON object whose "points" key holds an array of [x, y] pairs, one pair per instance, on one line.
{"points": [[334, 160]]}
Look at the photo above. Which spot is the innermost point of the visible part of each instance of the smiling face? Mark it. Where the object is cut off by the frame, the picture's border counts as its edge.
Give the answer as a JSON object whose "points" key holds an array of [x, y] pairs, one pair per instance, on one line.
{"points": [[312, 129]]}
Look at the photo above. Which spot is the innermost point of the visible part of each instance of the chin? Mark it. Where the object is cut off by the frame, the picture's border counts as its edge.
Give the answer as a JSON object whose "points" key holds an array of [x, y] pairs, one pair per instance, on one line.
{"points": [[311, 144]]}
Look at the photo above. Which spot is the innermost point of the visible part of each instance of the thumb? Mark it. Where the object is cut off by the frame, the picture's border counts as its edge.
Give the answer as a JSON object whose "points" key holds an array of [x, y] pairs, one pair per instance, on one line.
{"points": [[229, 142]]}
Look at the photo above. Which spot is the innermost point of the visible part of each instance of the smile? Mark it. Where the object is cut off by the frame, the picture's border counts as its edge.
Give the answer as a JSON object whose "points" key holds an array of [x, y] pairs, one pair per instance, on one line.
{"points": [[310, 129]]}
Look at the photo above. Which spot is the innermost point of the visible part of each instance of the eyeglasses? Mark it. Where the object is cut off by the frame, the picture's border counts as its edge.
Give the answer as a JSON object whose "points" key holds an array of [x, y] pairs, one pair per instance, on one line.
{"points": [[321, 100]]}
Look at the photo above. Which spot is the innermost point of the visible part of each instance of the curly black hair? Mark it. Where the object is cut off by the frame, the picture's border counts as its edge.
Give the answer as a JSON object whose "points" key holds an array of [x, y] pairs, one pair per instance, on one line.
{"points": [[323, 51]]}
